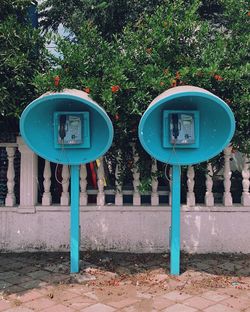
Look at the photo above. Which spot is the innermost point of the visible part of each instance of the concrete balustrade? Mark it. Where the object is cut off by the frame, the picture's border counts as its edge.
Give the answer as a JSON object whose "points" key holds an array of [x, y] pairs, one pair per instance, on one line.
{"points": [[27, 224]]}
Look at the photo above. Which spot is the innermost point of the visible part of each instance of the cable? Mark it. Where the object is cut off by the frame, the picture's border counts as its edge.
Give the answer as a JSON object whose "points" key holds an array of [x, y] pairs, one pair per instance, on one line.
{"points": [[56, 169], [167, 164]]}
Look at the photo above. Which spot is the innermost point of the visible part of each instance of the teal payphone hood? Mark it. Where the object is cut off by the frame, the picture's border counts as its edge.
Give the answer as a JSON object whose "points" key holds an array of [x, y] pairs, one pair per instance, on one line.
{"points": [[37, 127], [216, 125]]}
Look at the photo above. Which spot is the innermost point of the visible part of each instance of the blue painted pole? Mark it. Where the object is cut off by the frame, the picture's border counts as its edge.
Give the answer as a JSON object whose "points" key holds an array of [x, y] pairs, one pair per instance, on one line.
{"points": [[74, 220], [175, 221]]}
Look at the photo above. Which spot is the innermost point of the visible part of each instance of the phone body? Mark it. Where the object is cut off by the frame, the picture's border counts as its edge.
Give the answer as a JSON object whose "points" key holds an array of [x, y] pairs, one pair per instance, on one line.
{"points": [[181, 128], [71, 130]]}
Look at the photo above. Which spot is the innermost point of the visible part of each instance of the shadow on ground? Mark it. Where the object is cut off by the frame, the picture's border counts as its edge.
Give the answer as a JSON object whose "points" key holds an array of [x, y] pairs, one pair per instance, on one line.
{"points": [[21, 272]]}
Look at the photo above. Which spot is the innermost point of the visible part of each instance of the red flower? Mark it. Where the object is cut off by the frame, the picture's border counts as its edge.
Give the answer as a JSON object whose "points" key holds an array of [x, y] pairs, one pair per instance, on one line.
{"points": [[115, 88], [117, 117], [218, 77], [248, 13], [162, 83], [56, 81], [87, 90], [149, 50], [173, 84]]}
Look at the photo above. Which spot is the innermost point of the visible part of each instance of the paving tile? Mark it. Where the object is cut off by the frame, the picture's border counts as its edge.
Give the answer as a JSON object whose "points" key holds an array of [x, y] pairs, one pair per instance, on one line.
{"points": [[58, 308], [14, 289], [239, 303], [214, 296], [176, 296], [19, 279], [122, 303], [16, 266], [40, 304], [7, 261], [201, 266], [198, 302], [228, 266], [79, 289], [91, 295], [143, 295], [38, 274], [57, 268], [244, 271], [220, 308], [179, 308], [160, 303], [46, 290], [4, 285], [30, 284], [144, 305], [19, 309], [4, 304], [28, 296], [27, 269], [64, 295], [99, 307], [231, 292], [138, 309], [79, 302], [9, 274], [54, 278]]}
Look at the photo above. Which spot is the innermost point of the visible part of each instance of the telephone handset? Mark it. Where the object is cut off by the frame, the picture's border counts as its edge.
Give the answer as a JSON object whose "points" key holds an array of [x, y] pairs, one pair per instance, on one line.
{"points": [[62, 127], [182, 128], [175, 126], [70, 131]]}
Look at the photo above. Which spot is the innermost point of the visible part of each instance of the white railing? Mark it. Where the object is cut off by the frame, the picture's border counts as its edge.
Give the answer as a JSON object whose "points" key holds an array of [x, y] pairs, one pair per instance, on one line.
{"points": [[29, 183]]}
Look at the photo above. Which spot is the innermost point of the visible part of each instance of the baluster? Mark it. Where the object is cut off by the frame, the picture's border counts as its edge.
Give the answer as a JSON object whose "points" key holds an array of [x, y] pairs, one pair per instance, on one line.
{"points": [[28, 177], [10, 198], [65, 186], [118, 193], [154, 194], [209, 197], [227, 196], [3, 175], [100, 201], [83, 185], [170, 186], [47, 199], [136, 180], [245, 197], [190, 185]]}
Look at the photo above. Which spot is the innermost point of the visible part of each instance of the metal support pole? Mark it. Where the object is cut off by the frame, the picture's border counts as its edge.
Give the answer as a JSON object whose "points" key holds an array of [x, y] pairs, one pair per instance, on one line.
{"points": [[175, 222], [74, 220]]}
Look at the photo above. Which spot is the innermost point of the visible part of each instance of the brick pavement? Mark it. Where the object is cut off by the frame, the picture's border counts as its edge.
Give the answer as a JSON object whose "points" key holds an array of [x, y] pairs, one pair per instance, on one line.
{"points": [[121, 282]]}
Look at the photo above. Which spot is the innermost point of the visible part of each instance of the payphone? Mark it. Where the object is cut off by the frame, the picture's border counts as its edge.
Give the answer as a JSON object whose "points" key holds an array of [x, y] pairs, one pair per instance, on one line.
{"points": [[180, 128], [184, 126], [68, 128], [71, 130]]}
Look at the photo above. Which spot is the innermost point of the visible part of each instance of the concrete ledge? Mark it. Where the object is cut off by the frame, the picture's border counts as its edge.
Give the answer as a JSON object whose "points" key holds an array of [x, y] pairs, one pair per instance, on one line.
{"points": [[126, 228]]}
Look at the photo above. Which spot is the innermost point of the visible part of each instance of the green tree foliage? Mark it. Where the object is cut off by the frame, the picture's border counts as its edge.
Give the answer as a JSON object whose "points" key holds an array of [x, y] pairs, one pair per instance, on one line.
{"points": [[109, 16], [22, 55], [182, 43]]}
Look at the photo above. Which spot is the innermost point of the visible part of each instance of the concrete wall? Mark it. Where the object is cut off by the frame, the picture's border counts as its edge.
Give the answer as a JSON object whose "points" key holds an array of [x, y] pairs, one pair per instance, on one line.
{"points": [[126, 228]]}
